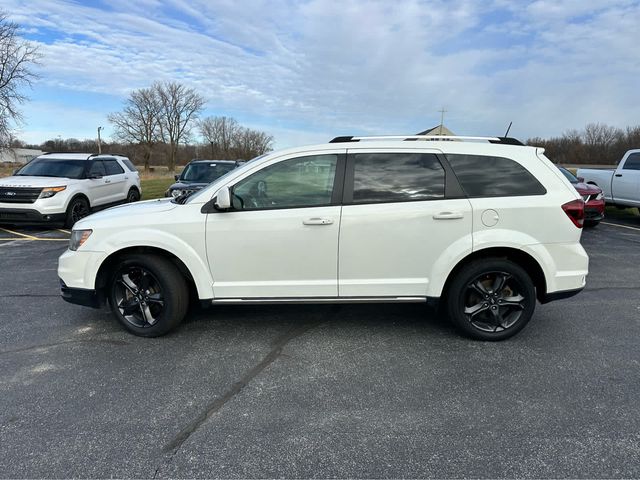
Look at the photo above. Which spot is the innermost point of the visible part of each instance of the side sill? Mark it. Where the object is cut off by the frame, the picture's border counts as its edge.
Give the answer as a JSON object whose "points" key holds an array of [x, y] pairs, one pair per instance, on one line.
{"points": [[311, 300]]}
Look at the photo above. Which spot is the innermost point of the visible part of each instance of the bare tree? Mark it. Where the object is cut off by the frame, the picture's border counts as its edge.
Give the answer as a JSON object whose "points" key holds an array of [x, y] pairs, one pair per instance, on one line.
{"points": [[228, 139], [219, 133], [17, 56], [139, 121], [179, 108], [250, 143]]}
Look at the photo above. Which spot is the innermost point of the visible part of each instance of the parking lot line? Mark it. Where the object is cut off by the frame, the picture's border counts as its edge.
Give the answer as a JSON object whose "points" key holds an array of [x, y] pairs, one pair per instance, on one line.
{"points": [[30, 237], [621, 226]]}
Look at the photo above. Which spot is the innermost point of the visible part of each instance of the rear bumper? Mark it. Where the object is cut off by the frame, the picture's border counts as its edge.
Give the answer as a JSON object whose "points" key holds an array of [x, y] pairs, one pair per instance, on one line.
{"points": [[593, 214], [80, 296], [551, 297], [29, 216]]}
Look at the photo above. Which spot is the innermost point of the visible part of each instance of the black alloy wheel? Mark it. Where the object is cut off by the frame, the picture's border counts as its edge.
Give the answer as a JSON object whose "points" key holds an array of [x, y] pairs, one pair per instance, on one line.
{"points": [[491, 299], [148, 294], [138, 296], [493, 302], [77, 210], [133, 196]]}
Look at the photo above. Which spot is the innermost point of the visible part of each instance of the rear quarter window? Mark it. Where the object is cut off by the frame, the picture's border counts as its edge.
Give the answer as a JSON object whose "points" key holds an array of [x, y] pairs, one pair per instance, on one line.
{"points": [[129, 165], [487, 176]]}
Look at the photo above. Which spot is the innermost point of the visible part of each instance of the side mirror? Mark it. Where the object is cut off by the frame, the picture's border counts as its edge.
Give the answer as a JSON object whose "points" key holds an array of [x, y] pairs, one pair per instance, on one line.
{"points": [[176, 177], [223, 199], [581, 179]]}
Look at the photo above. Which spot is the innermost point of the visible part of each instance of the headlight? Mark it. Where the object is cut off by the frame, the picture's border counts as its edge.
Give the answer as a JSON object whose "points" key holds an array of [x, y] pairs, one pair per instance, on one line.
{"points": [[50, 191], [600, 196], [176, 193], [78, 237]]}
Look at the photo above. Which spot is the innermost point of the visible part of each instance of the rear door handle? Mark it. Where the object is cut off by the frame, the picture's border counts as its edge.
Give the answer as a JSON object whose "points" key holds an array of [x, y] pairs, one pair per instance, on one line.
{"points": [[618, 174], [317, 221], [448, 216], [107, 181]]}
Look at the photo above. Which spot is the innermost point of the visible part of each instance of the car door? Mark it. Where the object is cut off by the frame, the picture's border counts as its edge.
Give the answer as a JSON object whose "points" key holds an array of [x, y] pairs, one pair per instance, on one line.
{"points": [[626, 181], [280, 239], [116, 180], [399, 216], [98, 190]]}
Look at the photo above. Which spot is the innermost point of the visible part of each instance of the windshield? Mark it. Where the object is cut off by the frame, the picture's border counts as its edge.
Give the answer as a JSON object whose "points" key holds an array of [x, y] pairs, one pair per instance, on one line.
{"points": [[205, 172], [53, 167], [570, 176]]}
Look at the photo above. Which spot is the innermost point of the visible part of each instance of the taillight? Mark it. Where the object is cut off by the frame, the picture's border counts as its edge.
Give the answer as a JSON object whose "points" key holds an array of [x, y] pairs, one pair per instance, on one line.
{"points": [[575, 211]]}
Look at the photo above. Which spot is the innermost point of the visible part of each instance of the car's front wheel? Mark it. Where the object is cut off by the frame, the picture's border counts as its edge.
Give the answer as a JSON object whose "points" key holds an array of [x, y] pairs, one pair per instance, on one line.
{"points": [[148, 294], [77, 210], [491, 299]]}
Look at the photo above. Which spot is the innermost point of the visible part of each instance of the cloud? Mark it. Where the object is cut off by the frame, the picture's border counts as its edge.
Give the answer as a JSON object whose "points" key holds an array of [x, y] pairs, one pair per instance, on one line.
{"points": [[350, 66]]}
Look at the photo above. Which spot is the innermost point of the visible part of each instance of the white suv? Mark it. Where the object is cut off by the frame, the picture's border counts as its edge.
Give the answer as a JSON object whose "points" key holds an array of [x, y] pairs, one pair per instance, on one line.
{"points": [[65, 187], [482, 228]]}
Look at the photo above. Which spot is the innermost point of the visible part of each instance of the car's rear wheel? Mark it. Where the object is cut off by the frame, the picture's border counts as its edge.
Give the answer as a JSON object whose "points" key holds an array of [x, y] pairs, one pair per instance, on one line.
{"points": [[133, 195], [491, 299], [77, 210], [148, 295]]}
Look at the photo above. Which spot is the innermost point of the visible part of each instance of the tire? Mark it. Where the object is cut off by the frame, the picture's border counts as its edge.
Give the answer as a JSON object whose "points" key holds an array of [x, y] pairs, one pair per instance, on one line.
{"points": [[148, 295], [476, 300], [77, 209], [133, 195]]}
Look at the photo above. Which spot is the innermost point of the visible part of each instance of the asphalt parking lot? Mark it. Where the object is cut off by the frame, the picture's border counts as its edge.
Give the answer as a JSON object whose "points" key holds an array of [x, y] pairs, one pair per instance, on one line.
{"points": [[319, 391]]}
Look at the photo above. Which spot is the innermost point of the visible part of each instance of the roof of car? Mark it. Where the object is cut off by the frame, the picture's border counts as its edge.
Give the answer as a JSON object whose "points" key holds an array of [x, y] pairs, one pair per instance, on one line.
{"points": [[216, 161], [78, 156]]}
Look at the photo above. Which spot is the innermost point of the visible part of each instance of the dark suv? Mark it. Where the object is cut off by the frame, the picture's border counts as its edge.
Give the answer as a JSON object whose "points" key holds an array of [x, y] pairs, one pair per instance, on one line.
{"points": [[198, 174]]}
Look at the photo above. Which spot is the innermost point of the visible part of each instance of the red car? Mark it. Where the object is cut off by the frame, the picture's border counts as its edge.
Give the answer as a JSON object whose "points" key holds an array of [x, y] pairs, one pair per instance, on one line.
{"points": [[592, 196]]}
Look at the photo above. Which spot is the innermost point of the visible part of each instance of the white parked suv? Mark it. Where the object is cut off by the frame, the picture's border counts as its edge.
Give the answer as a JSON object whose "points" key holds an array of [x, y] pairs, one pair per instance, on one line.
{"points": [[65, 187], [484, 229]]}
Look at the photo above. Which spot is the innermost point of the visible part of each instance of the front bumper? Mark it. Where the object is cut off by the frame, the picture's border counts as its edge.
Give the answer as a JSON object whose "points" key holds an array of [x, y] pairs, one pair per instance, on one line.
{"points": [[80, 296], [29, 216]]}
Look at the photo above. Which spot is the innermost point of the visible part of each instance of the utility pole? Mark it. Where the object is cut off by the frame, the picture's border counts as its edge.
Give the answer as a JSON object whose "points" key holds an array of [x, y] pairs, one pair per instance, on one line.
{"points": [[212, 151], [442, 112], [99, 145]]}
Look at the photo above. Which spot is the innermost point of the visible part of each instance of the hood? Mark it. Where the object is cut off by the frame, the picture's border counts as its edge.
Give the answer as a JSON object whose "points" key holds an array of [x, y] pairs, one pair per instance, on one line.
{"points": [[128, 210], [35, 182], [187, 185], [587, 188]]}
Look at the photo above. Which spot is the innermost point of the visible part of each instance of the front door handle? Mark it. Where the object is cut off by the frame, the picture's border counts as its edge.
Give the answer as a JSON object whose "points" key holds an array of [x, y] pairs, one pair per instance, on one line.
{"points": [[618, 174], [107, 180], [448, 216], [317, 221]]}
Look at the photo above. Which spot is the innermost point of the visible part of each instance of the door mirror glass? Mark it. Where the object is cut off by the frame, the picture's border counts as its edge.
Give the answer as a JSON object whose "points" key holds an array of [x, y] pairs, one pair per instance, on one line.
{"points": [[223, 199], [176, 177], [581, 179]]}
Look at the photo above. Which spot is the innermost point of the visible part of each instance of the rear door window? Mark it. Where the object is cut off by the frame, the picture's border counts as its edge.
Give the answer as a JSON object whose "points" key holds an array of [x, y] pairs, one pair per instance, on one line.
{"points": [[396, 177], [129, 165], [486, 176], [112, 167]]}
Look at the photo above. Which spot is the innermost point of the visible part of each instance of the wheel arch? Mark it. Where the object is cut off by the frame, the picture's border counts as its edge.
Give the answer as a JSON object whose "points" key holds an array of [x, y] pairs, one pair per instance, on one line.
{"points": [[75, 196], [520, 257], [110, 263]]}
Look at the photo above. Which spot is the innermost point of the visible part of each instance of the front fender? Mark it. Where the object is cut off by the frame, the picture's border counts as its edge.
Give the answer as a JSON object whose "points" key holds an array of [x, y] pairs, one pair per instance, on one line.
{"points": [[192, 252]]}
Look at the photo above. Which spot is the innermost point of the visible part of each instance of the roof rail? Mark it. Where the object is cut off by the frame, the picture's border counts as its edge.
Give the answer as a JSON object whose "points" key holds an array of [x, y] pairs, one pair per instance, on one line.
{"points": [[500, 140]]}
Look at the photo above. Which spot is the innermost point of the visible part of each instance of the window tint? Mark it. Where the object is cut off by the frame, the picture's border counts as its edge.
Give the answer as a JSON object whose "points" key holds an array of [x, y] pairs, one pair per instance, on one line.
{"points": [[632, 162], [484, 176], [397, 177], [112, 167], [97, 168], [129, 165], [298, 182]]}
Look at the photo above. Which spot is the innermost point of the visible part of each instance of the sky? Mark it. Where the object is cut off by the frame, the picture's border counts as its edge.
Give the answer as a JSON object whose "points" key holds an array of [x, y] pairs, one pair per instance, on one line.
{"points": [[306, 71]]}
